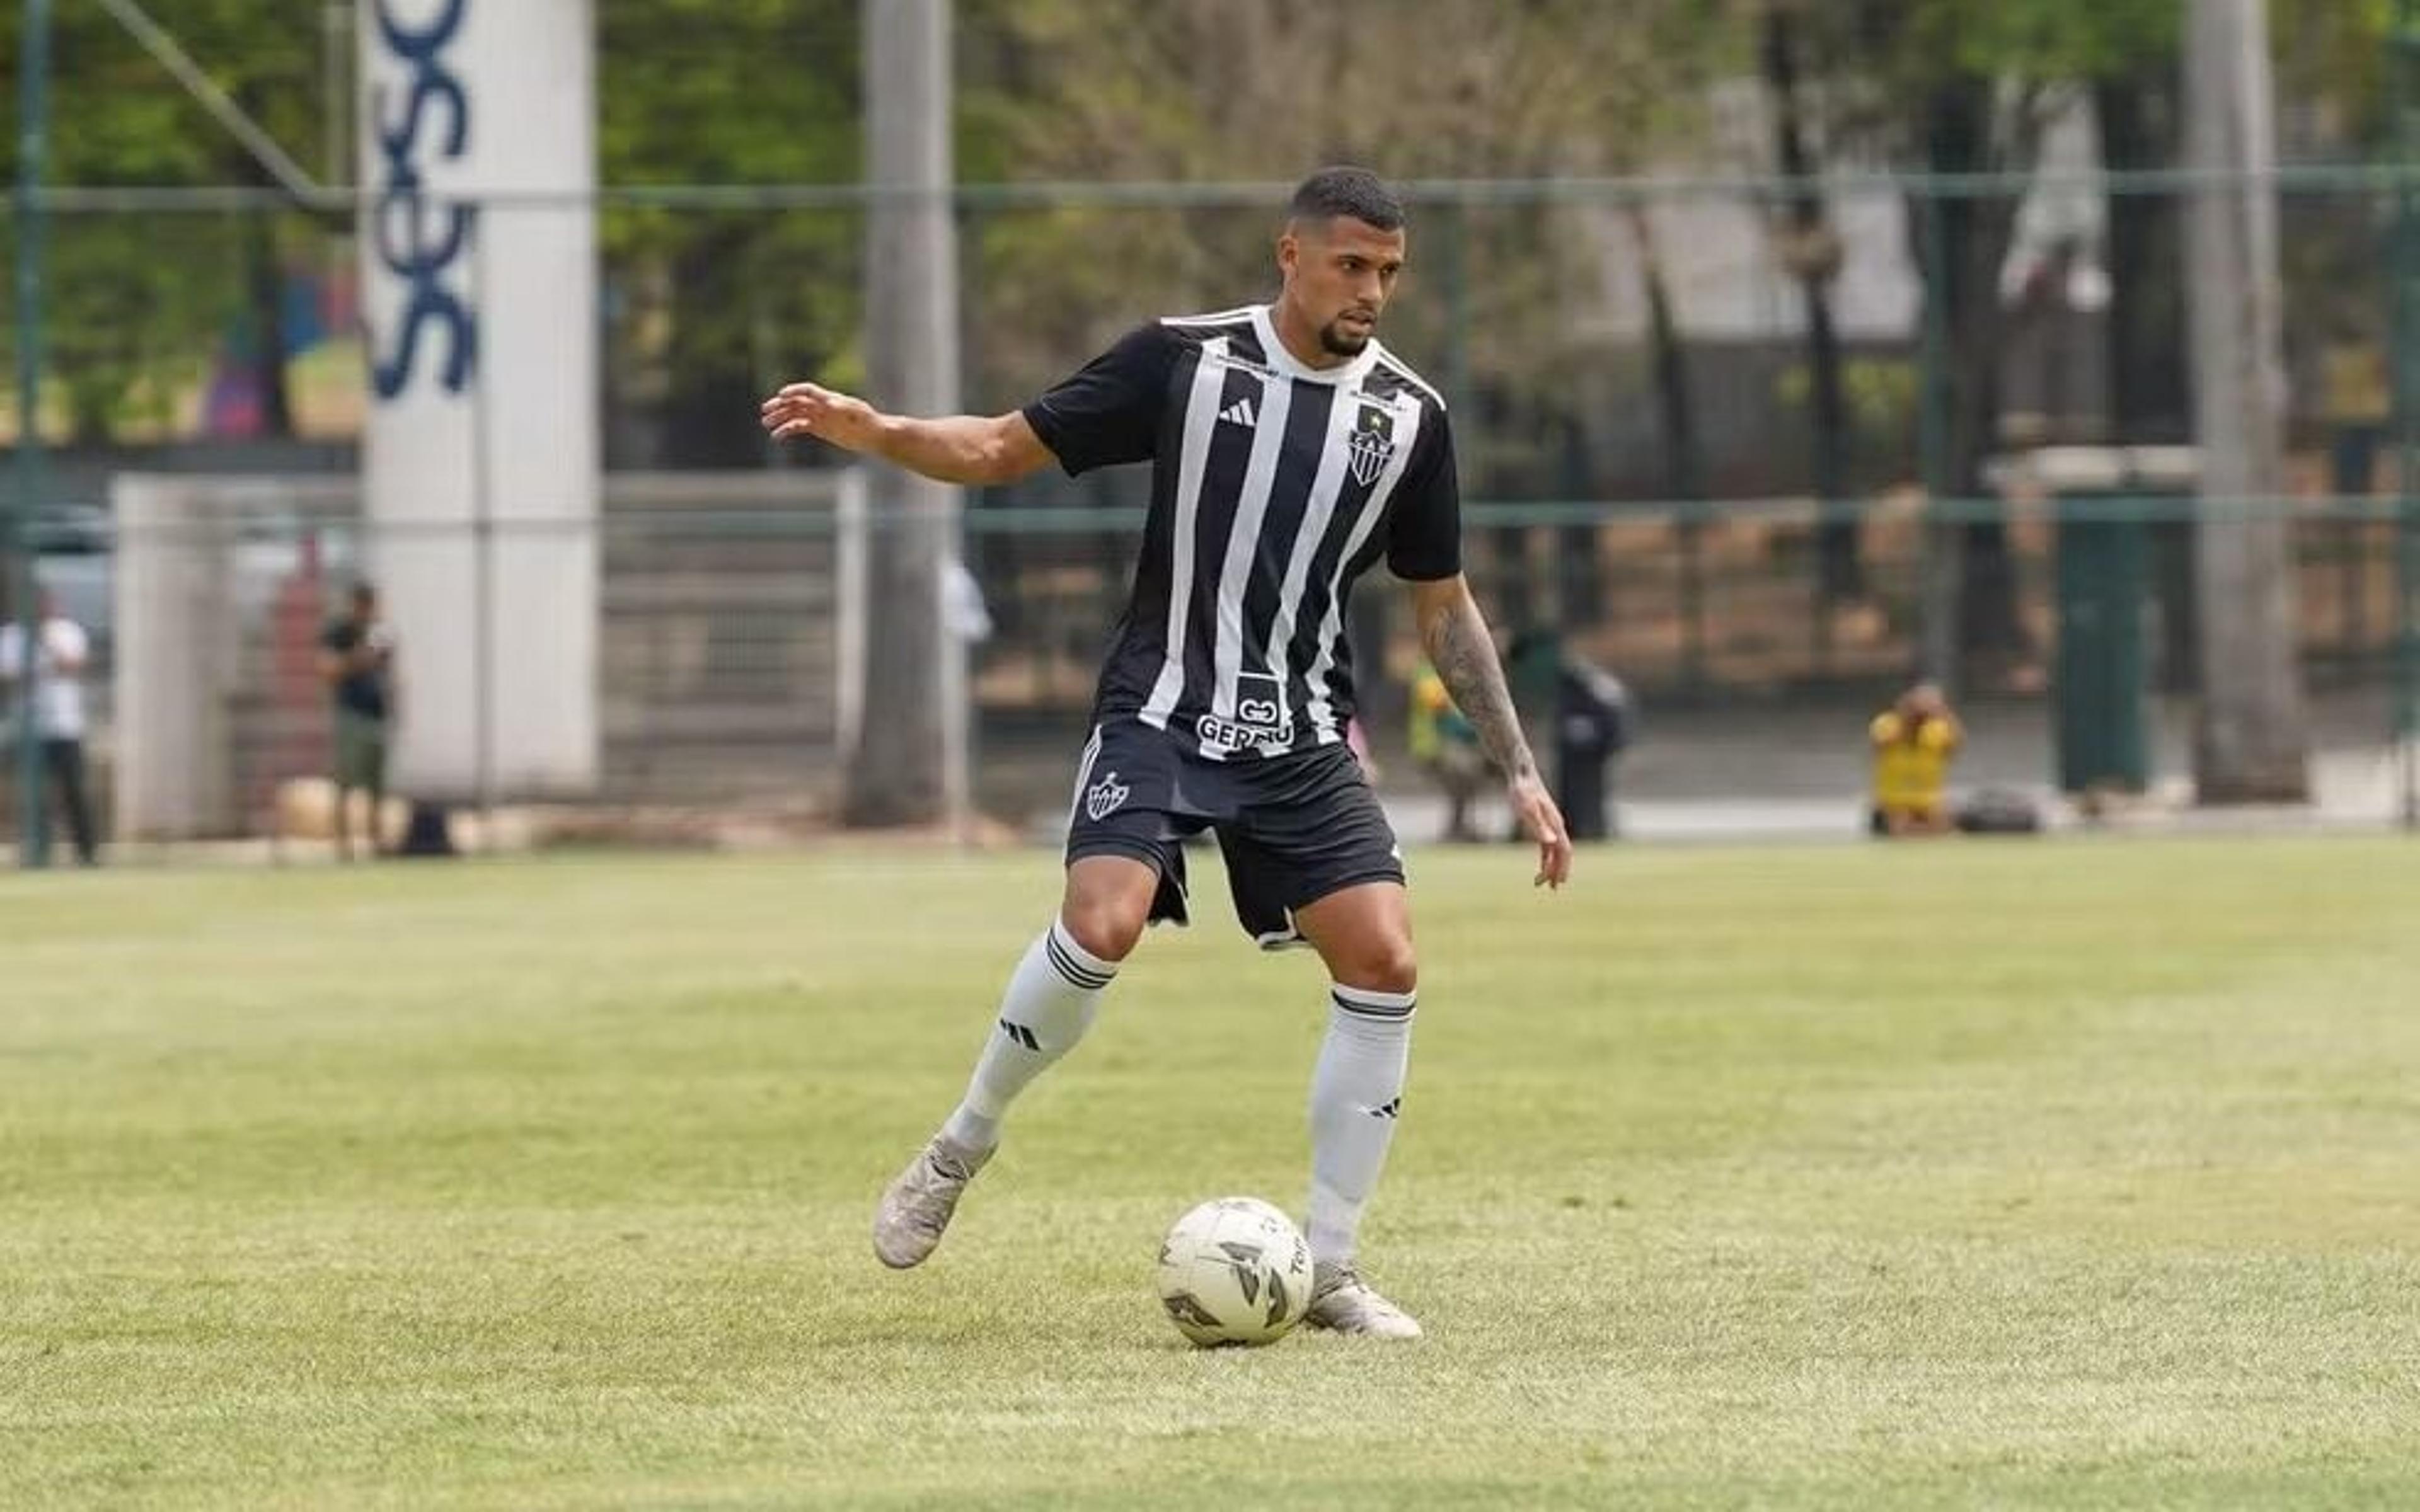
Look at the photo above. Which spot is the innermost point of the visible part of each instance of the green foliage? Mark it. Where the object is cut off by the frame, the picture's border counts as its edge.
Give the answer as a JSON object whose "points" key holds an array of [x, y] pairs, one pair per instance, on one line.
{"points": [[127, 323], [1263, 91], [1880, 394], [2057, 40], [2341, 56], [1879, 63], [767, 91], [690, 91], [715, 305]]}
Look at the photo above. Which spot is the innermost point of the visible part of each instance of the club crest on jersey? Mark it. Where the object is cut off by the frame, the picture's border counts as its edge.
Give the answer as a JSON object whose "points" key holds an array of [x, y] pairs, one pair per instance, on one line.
{"points": [[1374, 442], [1103, 798]]}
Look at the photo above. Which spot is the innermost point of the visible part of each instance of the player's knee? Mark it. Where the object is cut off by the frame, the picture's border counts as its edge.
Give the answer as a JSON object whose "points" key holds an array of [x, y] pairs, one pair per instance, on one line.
{"points": [[1383, 966], [1107, 927]]}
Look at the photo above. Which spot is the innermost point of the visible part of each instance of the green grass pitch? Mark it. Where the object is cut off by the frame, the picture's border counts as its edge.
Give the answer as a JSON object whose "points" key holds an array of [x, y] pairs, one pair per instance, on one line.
{"points": [[2064, 1174]]}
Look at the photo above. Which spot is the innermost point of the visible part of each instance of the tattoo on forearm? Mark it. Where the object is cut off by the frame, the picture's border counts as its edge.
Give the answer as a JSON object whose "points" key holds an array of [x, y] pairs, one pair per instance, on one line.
{"points": [[1464, 655]]}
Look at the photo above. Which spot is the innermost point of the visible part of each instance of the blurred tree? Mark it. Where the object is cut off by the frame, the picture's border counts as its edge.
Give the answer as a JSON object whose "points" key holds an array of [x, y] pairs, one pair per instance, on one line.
{"points": [[1959, 87], [690, 91], [132, 332], [1684, 479], [2150, 399], [2334, 58], [272, 61], [709, 307], [1262, 90], [2251, 739], [1812, 251]]}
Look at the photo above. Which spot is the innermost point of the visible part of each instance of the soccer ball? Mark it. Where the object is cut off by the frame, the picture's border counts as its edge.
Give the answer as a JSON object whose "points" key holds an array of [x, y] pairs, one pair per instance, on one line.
{"points": [[1234, 1270]]}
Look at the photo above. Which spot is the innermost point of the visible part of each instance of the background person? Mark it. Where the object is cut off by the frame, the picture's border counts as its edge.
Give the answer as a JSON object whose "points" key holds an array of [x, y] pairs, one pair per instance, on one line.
{"points": [[357, 658], [1591, 730], [61, 651], [1590, 719], [1913, 742], [1446, 746]]}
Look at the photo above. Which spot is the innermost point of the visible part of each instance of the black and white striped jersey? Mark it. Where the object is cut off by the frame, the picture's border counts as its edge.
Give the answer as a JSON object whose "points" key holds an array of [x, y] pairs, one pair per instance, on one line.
{"points": [[1274, 486]]}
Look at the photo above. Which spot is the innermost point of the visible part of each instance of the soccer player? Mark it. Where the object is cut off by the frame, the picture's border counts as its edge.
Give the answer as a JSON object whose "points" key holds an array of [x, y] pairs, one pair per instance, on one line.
{"points": [[1290, 454]]}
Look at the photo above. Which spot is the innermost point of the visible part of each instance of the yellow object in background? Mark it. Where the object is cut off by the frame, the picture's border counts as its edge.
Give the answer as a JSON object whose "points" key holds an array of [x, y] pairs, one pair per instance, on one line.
{"points": [[1912, 764]]}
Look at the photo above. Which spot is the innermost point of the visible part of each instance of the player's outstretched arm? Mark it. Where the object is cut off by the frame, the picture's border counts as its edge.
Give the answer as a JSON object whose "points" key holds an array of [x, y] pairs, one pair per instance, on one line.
{"points": [[969, 449], [1454, 635]]}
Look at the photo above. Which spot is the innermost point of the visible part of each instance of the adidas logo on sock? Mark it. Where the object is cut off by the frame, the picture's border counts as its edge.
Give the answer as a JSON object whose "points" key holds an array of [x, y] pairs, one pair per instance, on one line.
{"points": [[1392, 1108], [1241, 414], [1019, 1033]]}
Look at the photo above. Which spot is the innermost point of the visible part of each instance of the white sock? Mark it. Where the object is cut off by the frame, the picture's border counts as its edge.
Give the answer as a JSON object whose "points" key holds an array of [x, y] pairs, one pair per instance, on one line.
{"points": [[1356, 1093], [1050, 1003]]}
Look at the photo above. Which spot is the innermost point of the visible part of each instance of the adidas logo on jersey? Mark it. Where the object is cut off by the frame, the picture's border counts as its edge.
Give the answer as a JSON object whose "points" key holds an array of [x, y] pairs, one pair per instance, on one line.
{"points": [[1241, 414]]}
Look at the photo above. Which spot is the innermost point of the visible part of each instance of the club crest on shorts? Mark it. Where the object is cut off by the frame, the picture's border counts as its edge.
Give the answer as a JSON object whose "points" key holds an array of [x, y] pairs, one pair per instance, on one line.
{"points": [[1374, 442], [1103, 798]]}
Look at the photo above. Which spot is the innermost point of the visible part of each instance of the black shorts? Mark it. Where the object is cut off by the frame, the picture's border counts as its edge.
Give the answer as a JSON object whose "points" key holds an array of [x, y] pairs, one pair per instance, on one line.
{"points": [[1294, 828]]}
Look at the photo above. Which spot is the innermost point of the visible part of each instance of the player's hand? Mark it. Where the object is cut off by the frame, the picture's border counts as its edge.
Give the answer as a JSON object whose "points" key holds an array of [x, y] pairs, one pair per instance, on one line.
{"points": [[811, 409], [1543, 823]]}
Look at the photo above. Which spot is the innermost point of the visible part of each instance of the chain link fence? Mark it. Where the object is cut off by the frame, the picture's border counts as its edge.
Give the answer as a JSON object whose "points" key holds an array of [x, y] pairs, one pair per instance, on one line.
{"points": [[722, 624], [1727, 449]]}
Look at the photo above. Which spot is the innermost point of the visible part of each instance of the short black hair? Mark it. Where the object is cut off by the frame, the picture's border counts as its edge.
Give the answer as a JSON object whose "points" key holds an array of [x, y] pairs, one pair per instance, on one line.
{"points": [[1347, 191], [364, 590]]}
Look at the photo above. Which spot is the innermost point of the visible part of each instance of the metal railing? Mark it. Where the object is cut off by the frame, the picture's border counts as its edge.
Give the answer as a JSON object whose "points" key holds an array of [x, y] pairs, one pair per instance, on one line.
{"points": [[720, 627]]}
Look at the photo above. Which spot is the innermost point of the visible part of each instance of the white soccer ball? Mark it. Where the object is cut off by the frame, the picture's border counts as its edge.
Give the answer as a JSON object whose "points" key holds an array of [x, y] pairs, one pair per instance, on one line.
{"points": [[1234, 1270]]}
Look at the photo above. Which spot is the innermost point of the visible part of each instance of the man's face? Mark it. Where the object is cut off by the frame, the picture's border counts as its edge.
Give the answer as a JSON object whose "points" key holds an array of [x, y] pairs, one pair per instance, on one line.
{"points": [[365, 607], [1340, 274]]}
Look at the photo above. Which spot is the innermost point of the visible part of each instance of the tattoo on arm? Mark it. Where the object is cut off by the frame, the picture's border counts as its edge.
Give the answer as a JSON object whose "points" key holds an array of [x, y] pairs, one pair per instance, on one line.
{"points": [[1464, 655]]}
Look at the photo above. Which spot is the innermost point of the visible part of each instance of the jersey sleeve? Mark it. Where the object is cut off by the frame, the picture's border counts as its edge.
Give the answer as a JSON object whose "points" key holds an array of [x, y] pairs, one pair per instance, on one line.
{"points": [[1424, 539], [1108, 411]]}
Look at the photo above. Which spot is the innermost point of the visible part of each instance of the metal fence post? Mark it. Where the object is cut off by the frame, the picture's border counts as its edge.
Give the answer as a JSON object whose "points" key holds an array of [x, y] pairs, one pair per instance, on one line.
{"points": [[2404, 75], [32, 123], [1690, 519], [483, 562], [1457, 304], [1937, 558]]}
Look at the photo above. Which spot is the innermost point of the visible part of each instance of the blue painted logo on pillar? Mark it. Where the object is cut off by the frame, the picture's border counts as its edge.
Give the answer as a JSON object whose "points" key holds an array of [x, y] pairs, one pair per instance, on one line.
{"points": [[423, 245]]}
